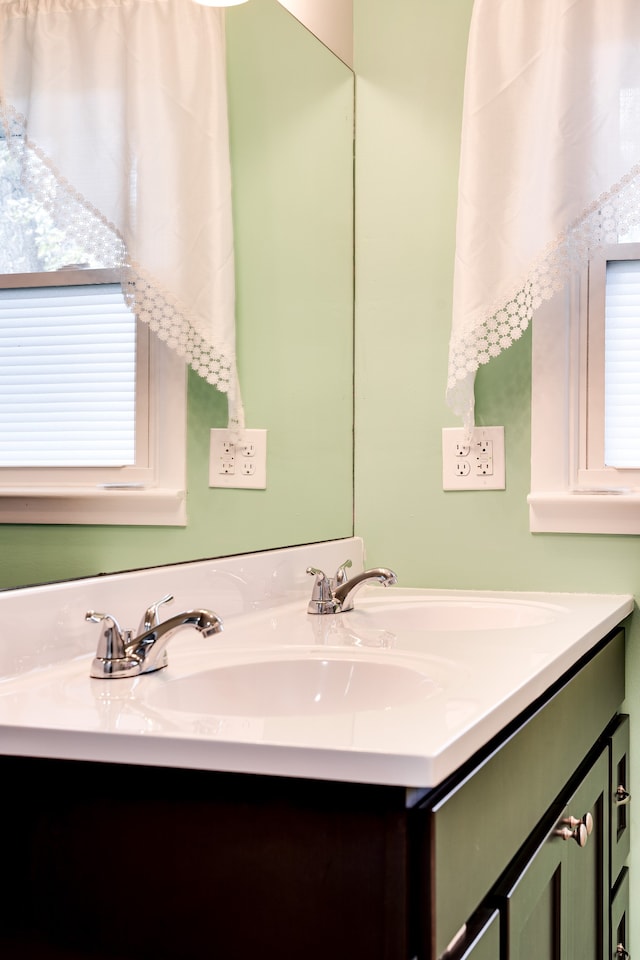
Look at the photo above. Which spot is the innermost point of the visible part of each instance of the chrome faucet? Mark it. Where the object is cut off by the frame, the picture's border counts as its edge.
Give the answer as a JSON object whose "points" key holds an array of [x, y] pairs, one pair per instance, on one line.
{"points": [[335, 595], [120, 654]]}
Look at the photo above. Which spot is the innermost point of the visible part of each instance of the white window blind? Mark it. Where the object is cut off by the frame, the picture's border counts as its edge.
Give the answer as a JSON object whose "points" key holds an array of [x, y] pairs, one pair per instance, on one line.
{"points": [[67, 376], [622, 364]]}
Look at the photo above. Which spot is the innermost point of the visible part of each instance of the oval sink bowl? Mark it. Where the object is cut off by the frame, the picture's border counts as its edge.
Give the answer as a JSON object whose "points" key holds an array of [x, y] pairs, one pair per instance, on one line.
{"points": [[294, 687], [443, 613]]}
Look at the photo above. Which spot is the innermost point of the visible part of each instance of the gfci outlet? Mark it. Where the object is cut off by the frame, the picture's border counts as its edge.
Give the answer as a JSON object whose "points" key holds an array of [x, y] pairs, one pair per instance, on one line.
{"points": [[475, 463], [238, 458]]}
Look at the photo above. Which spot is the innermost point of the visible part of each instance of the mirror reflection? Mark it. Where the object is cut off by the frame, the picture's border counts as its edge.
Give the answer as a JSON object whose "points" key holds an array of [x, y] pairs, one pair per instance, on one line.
{"points": [[291, 130], [331, 21]]}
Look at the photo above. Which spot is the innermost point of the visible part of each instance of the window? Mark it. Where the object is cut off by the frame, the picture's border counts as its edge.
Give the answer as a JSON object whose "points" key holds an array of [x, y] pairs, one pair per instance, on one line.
{"points": [[585, 442], [612, 374], [92, 405], [72, 391]]}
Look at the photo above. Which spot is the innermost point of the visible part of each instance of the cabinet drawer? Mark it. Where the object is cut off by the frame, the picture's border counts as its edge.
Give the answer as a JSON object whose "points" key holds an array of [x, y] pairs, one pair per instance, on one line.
{"points": [[475, 830], [620, 814]]}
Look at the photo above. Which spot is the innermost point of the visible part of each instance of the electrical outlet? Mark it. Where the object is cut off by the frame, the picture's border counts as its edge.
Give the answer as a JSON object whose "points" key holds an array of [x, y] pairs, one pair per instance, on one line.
{"points": [[238, 459], [478, 465]]}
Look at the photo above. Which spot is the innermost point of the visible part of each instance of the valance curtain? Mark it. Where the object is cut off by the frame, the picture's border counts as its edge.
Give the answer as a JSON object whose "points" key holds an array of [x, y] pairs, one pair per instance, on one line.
{"points": [[549, 166], [115, 112]]}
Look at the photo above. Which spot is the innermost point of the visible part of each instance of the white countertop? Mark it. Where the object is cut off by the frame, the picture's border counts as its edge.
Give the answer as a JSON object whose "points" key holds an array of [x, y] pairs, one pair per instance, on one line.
{"points": [[476, 682]]}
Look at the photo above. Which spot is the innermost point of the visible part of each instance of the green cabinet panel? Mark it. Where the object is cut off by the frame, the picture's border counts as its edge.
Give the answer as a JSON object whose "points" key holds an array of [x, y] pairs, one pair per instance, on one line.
{"points": [[619, 943], [587, 888], [554, 904], [480, 938], [476, 828], [620, 814], [533, 908]]}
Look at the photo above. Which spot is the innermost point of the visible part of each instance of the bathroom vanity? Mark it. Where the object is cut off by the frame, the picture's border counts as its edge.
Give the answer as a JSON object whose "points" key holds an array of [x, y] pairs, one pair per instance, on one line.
{"points": [[149, 832]]}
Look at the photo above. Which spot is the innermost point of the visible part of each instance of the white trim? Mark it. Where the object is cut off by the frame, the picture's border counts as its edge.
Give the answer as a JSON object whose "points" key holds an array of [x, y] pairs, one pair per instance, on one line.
{"points": [[578, 512], [557, 503]]}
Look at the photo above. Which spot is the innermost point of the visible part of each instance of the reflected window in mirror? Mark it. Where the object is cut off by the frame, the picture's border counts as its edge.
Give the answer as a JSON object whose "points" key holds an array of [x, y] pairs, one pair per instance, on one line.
{"points": [[81, 411], [92, 406]]}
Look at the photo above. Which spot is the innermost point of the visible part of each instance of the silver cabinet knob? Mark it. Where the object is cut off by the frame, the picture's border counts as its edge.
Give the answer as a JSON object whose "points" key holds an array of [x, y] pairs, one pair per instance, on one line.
{"points": [[621, 796], [621, 953], [587, 820], [574, 829]]}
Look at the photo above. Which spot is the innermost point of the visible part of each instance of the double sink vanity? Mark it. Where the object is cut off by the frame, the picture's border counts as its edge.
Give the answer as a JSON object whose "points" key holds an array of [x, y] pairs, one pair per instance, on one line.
{"points": [[431, 773]]}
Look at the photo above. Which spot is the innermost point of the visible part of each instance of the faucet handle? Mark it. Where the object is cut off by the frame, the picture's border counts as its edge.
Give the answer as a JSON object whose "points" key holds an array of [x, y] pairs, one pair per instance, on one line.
{"points": [[150, 618], [112, 639], [341, 573], [322, 586], [322, 598]]}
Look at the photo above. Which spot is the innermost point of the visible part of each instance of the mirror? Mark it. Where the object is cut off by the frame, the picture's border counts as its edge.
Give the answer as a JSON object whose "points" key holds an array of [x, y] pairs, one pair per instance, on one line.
{"points": [[291, 116], [331, 21]]}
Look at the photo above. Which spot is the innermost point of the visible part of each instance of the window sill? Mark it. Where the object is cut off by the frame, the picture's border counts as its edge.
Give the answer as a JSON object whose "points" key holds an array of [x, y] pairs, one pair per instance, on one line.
{"points": [[587, 512], [88, 505]]}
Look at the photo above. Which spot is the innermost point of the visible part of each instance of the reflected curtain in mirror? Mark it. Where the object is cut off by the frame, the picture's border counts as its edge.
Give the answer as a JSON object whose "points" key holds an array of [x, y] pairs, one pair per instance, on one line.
{"points": [[550, 164], [114, 126]]}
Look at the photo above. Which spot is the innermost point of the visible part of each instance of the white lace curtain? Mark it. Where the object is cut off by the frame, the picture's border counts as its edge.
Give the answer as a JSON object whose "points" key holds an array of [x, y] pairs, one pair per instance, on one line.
{"points": [[114, 113], [549, 166]]}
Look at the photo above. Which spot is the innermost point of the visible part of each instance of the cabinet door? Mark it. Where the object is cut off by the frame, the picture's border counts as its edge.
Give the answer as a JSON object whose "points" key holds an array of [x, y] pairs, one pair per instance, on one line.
{"points": [[533, 906], [620, 919], [555, 900], [620, 817], [587, 907], [481, 938]]}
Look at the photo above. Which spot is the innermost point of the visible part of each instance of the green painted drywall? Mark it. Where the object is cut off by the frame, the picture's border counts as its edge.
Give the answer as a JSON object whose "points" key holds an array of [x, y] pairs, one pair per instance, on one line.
{"points": [[409, 63], [410, 72], [291, 126]]}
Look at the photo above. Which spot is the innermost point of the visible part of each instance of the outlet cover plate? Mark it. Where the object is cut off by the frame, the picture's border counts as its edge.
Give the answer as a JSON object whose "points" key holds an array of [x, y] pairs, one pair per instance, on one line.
{"points": [[238, 459], [478, 465]]}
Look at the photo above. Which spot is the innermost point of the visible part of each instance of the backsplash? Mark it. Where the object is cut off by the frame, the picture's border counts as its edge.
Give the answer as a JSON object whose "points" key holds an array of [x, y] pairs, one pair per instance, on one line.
{"points": [[43, 625]]}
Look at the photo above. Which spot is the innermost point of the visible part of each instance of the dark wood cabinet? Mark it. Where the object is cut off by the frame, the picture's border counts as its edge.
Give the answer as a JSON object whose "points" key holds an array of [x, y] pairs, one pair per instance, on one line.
{"points": [[146, 863]]}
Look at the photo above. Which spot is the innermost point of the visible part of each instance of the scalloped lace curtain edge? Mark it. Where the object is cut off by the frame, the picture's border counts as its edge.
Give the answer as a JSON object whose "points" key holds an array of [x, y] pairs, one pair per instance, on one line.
{"points": [[116, 113], [549, 166]]}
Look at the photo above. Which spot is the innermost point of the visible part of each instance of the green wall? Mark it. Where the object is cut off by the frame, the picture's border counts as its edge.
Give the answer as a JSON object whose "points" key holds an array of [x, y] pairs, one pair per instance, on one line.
{"points": [[410, 71], [409, 63], [291, 125]]}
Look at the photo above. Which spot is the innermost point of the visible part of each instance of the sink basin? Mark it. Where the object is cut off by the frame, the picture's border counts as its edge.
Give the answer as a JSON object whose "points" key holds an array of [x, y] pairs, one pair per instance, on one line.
{"points": [[444, 613], [294, 687]]}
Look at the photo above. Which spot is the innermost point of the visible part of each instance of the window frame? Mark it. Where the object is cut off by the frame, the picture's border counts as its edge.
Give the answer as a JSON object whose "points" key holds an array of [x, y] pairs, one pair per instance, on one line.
{"points": [[571, 489], [591, 467], [151, 492]]}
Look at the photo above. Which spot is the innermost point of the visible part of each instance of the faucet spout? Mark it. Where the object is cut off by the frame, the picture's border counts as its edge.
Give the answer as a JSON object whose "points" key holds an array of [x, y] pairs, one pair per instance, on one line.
{"points": [[336, 595], [150, 648], [344, 594], [131, 656]]}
